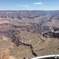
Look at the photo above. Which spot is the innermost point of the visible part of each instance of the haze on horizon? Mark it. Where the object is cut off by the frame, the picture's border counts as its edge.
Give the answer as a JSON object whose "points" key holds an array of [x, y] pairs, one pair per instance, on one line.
{"points": [[29, 4]]}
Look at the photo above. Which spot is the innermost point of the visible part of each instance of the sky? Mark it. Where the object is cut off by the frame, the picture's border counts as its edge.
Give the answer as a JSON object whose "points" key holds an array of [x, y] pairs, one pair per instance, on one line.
{"points": [[29, 4]]}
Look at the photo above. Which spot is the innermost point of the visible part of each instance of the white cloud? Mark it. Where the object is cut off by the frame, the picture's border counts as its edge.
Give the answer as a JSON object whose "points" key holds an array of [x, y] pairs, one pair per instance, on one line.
{"points": [[26, 6], [38, 3]]}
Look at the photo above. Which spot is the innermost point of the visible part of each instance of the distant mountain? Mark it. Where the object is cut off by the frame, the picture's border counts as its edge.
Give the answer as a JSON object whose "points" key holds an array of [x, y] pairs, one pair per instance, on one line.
{"points": [[29, 14]]}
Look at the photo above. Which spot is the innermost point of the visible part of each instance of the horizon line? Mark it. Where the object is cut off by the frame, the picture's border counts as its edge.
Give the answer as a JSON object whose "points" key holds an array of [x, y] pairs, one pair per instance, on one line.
{"points": [[29, 10]]}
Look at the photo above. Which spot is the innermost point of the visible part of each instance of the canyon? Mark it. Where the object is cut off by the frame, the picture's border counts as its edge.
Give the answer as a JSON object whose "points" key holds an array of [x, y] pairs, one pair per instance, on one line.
{"points": [[29, 33]]}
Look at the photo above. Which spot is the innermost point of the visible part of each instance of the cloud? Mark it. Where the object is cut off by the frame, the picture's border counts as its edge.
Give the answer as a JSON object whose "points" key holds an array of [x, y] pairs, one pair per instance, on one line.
{"points": [[26, 6], [38, 3]]}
